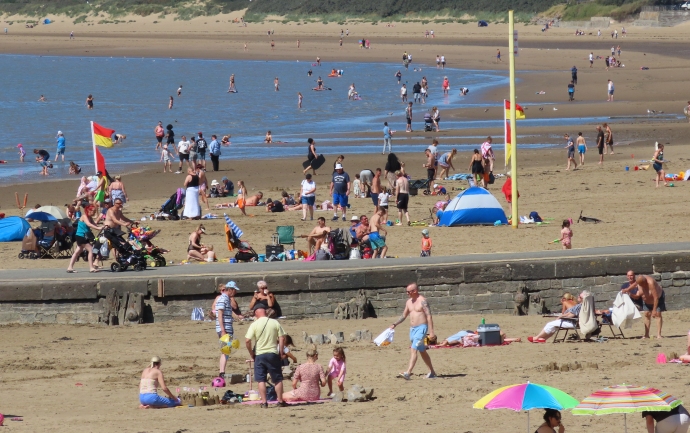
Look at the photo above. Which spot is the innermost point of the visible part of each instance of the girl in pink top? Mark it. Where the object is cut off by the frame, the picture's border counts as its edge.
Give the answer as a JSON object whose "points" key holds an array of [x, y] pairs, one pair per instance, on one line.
{"points": [[336, 370], [566, 235]]}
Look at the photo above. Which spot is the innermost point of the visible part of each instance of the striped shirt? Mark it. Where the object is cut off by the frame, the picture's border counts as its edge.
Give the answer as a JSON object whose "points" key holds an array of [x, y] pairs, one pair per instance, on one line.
{"points": [[225, 305], [575, 310]]}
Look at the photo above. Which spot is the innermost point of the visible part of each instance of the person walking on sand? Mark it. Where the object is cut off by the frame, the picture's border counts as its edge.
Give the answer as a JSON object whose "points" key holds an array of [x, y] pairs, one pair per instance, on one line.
{"points": [[609, 137], [378, 244], [581, 147], [600, 144], [71, 35], [276, 84], [570, 146], [498, 56], [83, 238], [443, 62], [308, 197], [402, 195], [571, 91], [421, 324], [658, 161], [297, 43], [273, 45], [387, 134], [591, 60], [566, 235], [311, 156], [610, 90], [654, 302]]}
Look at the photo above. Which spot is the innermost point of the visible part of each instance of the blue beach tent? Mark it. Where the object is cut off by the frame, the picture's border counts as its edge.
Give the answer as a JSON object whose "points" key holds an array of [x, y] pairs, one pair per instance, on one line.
{"points": [[474, 206], [13, 229]]}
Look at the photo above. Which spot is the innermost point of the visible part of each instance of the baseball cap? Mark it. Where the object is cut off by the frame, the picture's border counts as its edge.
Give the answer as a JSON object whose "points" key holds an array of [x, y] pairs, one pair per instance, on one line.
{"points": [[59, 132], [259, 306], [231, 285], [338, 166], [435, 185], [224, 178], [354, 218], [425, 232]]}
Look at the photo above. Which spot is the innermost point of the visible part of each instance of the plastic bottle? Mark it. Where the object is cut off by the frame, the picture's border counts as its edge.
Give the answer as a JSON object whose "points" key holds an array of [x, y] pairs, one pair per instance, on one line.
{"points": [[483, 321]]}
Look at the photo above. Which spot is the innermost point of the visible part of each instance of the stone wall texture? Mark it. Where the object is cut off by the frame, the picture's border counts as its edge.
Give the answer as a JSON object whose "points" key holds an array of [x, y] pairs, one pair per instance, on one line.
{"points": [[476, 288]]}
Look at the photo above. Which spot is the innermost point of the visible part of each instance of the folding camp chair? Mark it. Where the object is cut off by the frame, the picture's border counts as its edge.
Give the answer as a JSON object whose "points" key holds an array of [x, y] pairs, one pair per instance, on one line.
{"points": [[574, 321], [605, 321], [286, 235]]}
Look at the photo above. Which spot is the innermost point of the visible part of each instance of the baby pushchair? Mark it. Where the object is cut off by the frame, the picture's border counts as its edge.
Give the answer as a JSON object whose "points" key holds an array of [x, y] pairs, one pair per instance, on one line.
{"points": [[428, 123], [173, 204], [141, 238], [126, 255], [339, 242], [416, 185]]}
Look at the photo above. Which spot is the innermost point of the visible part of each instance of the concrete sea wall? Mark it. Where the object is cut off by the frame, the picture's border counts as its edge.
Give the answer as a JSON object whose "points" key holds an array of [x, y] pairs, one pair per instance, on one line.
{"points": [[452, 288]]}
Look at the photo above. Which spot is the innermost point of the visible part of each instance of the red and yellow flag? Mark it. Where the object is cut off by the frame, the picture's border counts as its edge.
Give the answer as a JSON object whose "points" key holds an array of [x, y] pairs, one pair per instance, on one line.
{"points": [[102, 136], [519, 112]]}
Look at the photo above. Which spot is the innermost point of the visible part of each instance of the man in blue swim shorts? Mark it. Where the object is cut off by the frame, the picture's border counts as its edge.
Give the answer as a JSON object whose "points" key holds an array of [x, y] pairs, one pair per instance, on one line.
{"points": [[340, 189], [420, 323]]}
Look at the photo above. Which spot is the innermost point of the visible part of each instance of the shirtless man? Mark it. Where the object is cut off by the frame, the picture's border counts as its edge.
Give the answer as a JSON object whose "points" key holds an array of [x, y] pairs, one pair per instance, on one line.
{"points": [[376, 188], [654, 300], [318, 235], [362, 229], [231, 88], [402, 194], [254, 199], [113, 220], [420, 322], [378, 244]]}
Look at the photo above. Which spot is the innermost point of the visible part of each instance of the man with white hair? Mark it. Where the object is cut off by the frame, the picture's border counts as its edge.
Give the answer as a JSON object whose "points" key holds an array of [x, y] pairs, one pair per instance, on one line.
{"points": [[551, 327], [263, 296], [60, 146]]}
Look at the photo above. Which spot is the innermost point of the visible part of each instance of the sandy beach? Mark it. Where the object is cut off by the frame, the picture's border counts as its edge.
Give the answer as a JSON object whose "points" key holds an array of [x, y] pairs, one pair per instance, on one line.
{"points": [[92, 374], [84, 378]]}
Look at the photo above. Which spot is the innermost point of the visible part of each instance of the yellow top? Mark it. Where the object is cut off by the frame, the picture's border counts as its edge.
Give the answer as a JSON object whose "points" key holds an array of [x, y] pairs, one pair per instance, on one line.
{"points": [[265, 333]]}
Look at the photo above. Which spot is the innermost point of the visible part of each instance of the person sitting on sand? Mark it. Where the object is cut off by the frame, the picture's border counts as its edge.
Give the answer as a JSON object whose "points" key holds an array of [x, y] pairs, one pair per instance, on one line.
{"points": [[269, 138], [554, 325], [318, 235], [274, 206], [254, 200], [310, 376], [552, 419], [198, 251], [151, 380]]}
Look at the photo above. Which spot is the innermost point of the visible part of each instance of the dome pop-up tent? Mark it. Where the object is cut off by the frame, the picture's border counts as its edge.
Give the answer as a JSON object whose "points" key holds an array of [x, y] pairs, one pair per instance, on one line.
{"points": [[13, 229], [474, 206]]}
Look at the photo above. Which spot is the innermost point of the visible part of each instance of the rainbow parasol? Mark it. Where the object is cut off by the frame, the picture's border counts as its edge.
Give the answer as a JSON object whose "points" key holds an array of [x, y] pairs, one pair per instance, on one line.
{"points": [[626, 399], [526, 396]]}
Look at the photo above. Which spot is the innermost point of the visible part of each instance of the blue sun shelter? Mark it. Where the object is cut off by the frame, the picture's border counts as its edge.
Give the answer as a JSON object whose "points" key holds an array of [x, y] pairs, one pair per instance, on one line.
{"points": [[13, 229], [474, 206]]}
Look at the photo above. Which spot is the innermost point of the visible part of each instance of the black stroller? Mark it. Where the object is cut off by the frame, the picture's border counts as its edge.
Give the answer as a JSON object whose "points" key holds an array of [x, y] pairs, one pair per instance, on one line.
{"points": [[126, 255], [428, 123], [416, 185], [173, 204]]}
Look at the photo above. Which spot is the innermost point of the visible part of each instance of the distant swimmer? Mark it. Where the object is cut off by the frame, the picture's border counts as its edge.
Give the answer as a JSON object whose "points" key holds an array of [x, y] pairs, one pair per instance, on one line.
{"points": [[309, 72], [276, 84], [118, 138], [42, 99], [269, 138], [352, 92], [232, 89], [299, 99], [179, 90], [464, 91], [170, 104], [89, 102]]}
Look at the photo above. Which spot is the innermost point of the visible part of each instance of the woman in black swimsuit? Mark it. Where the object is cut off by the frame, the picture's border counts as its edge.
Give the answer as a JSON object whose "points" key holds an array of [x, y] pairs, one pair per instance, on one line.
{"points": [[311, 155], [89, 102], [552, 419], [477, 167]]}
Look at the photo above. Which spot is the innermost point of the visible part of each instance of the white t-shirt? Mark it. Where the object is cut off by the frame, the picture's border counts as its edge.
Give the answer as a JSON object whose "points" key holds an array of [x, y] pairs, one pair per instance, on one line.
{"points": [[610, 85], [434, 150], [183, 147], [403, 90], [383, 198], [308, 186], [443, 59], [591, 57]]}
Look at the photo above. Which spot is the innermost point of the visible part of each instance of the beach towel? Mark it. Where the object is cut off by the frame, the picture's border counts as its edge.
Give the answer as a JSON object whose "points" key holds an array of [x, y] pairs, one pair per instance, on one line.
{"points": [[291, 403], [236, 230], [624, 311], [588, 318], [459, 176]]}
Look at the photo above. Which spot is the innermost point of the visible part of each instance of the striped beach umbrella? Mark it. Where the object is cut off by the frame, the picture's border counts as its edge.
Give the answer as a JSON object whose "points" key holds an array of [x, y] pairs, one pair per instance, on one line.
{"points": [[526, 396], [626, 399]]}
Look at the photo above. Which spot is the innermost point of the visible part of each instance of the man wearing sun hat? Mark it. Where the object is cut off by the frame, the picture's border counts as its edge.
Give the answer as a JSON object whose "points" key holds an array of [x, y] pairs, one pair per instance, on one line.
{"points": [[225, 305]]}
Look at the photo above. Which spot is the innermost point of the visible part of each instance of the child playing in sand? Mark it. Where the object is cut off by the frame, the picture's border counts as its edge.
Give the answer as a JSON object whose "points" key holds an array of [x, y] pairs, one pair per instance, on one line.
{"points": [[357, 186], [336, 369], [566, 235], [426, 244], [286, 350]]}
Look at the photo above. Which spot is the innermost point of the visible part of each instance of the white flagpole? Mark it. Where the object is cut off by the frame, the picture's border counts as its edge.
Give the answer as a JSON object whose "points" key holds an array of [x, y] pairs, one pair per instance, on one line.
{"points": [[93, 139], [505, 138]]}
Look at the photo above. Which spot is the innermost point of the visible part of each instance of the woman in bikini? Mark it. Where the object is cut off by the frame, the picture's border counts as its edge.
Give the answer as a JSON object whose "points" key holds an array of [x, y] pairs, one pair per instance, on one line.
{"points": [[198, 251]]}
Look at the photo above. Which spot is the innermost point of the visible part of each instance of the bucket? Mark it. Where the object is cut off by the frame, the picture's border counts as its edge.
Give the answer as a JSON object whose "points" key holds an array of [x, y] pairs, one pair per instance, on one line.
{"points": [[637, 168], [233, 260], [627, 168], [262, 257]]}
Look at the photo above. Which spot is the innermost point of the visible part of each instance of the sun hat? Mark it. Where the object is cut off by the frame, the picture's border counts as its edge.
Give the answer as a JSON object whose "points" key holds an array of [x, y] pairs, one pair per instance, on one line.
{"points": [[425, 232], [59, 133], [354, 218], [338, 166], [155, 360], [214, 182], [231, 285]]}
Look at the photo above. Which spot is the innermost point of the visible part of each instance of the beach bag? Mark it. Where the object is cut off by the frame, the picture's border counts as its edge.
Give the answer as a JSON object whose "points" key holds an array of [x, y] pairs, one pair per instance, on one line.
{"points": [[246, 256], [105, 250], [385, 338], [354, 254], [322, 255], [271, 394], [198, 314]]}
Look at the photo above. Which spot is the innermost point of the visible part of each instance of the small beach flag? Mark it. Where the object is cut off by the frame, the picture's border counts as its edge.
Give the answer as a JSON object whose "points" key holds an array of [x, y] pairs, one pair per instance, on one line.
{"points": [[101, 135], [519, 112]]}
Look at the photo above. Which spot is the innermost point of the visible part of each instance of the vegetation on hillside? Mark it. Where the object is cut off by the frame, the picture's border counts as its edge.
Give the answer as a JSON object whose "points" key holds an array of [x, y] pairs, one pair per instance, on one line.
{"points": [[330, 10]]}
